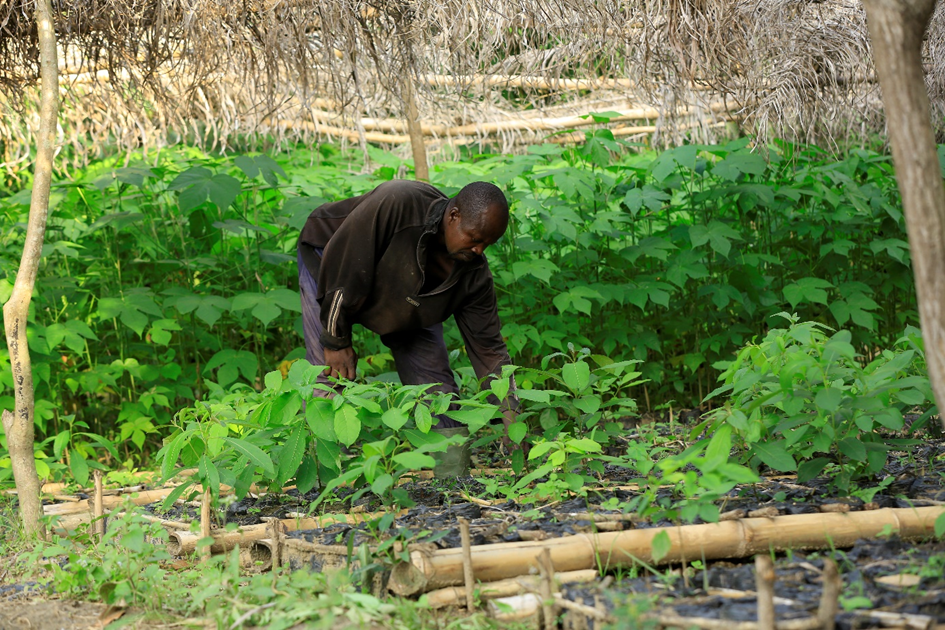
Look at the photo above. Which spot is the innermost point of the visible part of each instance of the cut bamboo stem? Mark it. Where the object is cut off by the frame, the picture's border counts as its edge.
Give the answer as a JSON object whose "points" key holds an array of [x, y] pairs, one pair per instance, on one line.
{"points": [[764, 587], [258, 556], [453, 596], [428, 570], [98, 508]]}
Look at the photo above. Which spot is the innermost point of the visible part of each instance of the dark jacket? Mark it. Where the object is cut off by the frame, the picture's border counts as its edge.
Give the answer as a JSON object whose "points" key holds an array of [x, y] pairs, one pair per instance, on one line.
{"points": [[372, 270]]}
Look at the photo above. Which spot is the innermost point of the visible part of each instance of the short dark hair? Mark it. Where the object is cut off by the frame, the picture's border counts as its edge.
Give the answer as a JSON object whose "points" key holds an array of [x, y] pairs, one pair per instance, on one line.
{"points": [[476, 197]]}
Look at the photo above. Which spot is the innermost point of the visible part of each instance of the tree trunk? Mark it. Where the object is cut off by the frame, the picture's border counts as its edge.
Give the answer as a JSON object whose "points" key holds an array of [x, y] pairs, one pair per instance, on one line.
{"points": [[415, 130], [19, 425], [897, 29]]}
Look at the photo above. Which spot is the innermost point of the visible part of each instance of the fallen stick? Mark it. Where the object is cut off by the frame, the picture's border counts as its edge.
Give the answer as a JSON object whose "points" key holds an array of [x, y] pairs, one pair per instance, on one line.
{"points": [[469, 580], [455, 596], [428, 570], [764, 586], [98, 505]]}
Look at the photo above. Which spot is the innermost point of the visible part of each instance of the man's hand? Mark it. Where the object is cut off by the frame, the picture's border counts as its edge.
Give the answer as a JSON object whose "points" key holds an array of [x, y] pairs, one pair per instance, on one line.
{"points": [[343, 363]]}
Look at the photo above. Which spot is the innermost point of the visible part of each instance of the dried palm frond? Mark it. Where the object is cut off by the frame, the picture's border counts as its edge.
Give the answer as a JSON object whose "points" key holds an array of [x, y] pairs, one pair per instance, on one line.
{"points": [[148, 72]]}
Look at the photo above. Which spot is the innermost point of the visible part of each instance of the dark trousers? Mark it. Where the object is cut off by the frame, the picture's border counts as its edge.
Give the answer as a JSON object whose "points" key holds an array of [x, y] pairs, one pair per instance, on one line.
{"points": [[420, 356]]}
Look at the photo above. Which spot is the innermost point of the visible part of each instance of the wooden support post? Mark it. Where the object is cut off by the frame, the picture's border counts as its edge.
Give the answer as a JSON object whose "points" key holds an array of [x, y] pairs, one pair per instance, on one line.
{"points": [[764, 586], [830, 597], [468, 577], [205, 523], [547, 570], [98, 505]]}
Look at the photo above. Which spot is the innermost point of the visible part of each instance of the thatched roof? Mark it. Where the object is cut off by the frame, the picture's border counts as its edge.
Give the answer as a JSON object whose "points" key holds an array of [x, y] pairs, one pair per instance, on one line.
{"points": [[219, 70]]}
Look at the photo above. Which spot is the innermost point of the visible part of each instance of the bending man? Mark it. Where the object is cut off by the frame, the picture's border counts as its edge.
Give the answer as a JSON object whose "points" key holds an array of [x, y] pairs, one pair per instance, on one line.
{"points": [[400, 260]]}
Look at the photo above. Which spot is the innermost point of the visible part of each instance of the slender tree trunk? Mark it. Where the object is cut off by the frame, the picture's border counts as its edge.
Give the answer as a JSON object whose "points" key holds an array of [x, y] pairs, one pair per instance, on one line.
{"points": [[897, 29], [19, 425], [414, 129]]}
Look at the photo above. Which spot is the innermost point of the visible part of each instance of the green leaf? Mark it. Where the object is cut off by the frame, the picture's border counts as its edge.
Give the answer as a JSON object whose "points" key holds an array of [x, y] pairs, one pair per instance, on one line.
{"points": [[79, 468], [173, 454], [414, 460], [940, 525], [347, 425], [255, 454], [209, 473], [320, 417], [852, 448], [266, 311], [307, 476], [774, 455], [577, 376], [395, 418], [808, 470], [199, 185], [291, 456], [382, 484], [828, 399], [588, 404], [274, 381], [807, 290], [518, 431], [660, 546]]}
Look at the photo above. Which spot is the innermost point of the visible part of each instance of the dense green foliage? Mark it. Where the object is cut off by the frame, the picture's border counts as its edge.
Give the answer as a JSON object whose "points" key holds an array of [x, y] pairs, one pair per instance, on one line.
{"points": [[166, 281]]}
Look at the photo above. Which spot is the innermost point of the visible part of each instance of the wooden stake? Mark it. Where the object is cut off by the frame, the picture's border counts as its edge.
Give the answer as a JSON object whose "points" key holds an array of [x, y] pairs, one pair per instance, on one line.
{"points": [[205, 523], [98, 510], [275, 535], [468, 577], [830, 597], [547, 570], [764, 587]]}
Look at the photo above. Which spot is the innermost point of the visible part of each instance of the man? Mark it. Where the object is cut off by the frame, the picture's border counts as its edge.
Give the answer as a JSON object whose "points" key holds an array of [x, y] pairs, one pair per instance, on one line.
{"points": [[400, 260]]}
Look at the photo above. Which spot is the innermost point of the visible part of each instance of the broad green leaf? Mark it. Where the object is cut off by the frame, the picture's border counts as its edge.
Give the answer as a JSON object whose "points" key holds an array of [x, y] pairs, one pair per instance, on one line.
{"points": [[518, 431], [852, 448], [274, 381], [660, 546], [307, 476], [829, 399], [588, 404], [79, 468], [198, 185], [414, 460], [774, 455], [577, 376], [255, 454], [290, 458], [347, 425], [394, 418]]}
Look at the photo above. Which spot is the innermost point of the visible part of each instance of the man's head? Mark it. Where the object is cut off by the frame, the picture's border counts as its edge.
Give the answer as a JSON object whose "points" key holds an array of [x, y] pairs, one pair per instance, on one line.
{"points": [[474, 219]]}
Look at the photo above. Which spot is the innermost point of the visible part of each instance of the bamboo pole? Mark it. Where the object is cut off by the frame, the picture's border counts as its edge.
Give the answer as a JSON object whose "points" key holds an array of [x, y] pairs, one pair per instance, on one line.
{"points": [[830, 597], [184, 542], [523, 81], [469, 579], [455, 596], [429, 570]]}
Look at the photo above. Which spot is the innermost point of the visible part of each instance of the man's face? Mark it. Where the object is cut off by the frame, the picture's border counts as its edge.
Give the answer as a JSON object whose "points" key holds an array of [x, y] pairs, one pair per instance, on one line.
{"points": [[467, 239]]}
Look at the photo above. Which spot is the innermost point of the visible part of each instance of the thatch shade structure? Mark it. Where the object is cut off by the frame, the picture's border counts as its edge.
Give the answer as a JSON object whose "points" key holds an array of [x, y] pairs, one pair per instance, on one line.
{"points": [[149, 72]]}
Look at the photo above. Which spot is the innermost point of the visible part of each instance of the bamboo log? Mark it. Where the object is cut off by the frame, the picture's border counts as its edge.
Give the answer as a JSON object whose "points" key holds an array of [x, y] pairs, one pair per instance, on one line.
{"points": [[522, 609], [204, 523], [730, 539], [523, 81], [108, 502], [184, 542], [455, 596]]}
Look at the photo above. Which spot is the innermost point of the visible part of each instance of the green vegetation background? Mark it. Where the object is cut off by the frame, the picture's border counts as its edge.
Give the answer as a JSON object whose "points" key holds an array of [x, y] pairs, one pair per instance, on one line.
{"points": [[171, 277]]}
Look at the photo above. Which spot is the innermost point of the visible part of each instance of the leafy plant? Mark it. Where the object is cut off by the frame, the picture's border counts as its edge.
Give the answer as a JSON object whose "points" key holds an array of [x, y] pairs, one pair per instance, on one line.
{"points": [[801, 400]]}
